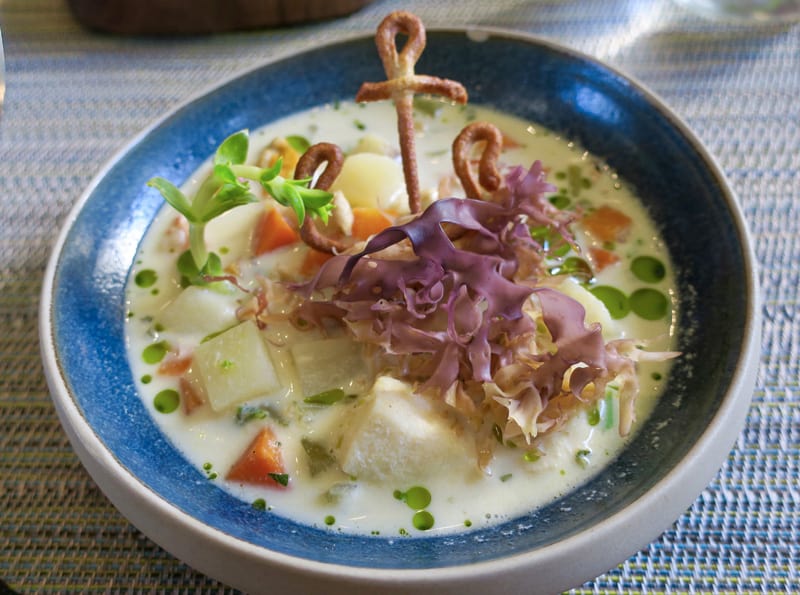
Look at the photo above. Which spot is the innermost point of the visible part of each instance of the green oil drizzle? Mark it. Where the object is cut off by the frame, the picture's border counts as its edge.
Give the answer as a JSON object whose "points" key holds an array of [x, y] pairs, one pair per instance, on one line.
{"points": [[166, 401], [648, 303], [152, 354], [423, 520], [615, 301], [146, 278], [648, 269], [416, 497]]}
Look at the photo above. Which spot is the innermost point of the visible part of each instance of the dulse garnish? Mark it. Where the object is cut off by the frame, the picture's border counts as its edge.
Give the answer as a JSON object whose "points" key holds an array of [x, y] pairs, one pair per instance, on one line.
{"points": [[447, 298]]}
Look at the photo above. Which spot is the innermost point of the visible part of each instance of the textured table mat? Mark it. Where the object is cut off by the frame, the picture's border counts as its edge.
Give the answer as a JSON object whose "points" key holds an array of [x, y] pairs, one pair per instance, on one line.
{"points": [[74, 98]]}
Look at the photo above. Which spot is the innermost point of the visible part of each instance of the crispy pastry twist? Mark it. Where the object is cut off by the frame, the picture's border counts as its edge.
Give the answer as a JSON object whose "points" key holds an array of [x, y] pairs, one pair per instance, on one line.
{"points": [[315, 156], [488, 174], [401, 86]]}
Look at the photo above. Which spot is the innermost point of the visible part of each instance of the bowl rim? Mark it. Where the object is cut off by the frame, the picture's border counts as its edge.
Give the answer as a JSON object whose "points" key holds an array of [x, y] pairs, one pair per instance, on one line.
{"points": [[180, 533]]}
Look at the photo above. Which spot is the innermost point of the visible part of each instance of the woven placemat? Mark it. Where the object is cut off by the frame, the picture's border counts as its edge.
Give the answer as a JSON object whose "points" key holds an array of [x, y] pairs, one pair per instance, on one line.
{"points": [[74, 98]]}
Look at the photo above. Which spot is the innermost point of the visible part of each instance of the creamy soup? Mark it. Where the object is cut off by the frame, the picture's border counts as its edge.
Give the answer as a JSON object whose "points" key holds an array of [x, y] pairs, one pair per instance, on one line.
{"points": [[362, 448]]}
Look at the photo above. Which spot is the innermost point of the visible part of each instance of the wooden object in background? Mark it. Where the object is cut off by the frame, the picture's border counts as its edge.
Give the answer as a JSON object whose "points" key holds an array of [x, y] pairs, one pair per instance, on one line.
{"points": [[163, 17]]}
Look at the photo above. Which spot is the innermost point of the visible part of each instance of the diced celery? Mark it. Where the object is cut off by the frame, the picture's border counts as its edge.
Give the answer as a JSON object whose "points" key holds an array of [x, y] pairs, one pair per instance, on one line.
{"points": [[329, 364]]}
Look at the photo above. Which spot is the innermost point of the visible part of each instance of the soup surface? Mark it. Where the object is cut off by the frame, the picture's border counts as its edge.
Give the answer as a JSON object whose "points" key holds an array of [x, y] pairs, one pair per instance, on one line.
{"points": [[236, 379]]}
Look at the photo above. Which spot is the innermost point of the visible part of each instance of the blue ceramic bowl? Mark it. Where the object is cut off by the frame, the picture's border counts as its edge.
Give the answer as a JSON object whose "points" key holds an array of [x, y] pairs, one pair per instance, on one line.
{"points": [[673, 457]]}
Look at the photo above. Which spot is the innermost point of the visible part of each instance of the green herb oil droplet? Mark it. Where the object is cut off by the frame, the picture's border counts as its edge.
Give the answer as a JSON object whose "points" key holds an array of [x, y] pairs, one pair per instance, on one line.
{"points": [[166, 401], [146, 278], [649, 304], [423, 520], [152, 354], [615, 301]]}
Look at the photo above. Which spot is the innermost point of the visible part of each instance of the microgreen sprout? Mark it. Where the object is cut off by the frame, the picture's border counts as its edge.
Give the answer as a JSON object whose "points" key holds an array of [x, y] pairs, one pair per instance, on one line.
{"points": [[228, 187]]}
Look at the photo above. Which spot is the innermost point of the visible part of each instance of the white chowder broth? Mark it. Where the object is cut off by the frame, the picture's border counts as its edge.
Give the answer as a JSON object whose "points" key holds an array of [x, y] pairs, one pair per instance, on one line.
{"points": [[360, 450]]}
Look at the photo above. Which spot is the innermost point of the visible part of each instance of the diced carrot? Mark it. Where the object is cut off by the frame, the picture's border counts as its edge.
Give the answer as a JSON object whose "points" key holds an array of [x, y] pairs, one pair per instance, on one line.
{"points": [[175, 364], [607, 224], [273, 231], [190, 398], [313, 260], [261, 462], [602, 258], [367, 221]]}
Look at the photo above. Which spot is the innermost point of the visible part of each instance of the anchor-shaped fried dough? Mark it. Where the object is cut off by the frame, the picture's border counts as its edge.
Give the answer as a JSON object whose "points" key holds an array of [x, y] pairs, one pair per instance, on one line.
{"points": [[401, 86]]}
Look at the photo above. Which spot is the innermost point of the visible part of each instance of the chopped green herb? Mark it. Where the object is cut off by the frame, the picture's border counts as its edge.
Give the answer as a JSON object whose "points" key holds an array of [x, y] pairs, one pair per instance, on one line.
{"points": [[319, 457], [328, 397], [298, 143], [260, 504], [330, 520], [359, 124], [593, 416], [246, 413], [506, 477], [280, 478], [582, 457]]}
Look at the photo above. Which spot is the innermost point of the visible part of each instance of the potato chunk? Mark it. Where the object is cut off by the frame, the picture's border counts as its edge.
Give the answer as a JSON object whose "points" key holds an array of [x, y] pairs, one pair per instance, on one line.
{"points": [[234, 367], [371, 180], [200, 310], [395, 435]]}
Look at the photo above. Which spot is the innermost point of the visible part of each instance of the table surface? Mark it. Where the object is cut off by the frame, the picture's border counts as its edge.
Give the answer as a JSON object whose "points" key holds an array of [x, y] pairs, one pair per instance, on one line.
{"points": [[74, 98]]}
